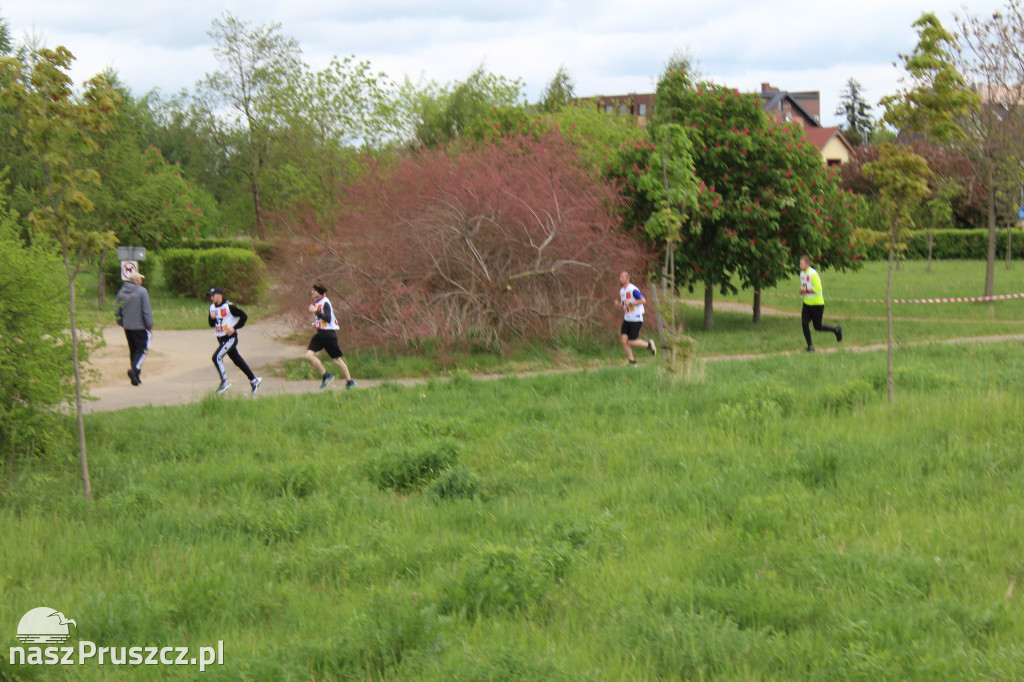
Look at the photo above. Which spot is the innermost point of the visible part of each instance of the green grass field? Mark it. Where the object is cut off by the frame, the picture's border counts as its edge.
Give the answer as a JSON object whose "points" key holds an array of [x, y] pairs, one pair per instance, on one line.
{"points": [[773, 519]]}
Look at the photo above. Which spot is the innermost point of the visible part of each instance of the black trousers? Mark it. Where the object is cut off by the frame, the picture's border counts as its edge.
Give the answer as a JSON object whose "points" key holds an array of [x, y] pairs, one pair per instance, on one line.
{"points": [[229, 347], [138, 346], [813, 313]]}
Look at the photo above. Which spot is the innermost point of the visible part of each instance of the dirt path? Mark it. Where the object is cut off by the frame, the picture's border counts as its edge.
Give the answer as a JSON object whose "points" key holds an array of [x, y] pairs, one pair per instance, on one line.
{"points": [[179, 368]]}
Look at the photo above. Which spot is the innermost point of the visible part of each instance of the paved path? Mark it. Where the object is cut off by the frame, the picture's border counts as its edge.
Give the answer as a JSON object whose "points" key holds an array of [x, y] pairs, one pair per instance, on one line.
{"points": [[179, 368]]}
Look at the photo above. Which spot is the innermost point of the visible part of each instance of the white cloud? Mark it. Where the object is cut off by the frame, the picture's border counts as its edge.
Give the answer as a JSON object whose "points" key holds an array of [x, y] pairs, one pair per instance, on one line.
{"points": [[608, 46]]}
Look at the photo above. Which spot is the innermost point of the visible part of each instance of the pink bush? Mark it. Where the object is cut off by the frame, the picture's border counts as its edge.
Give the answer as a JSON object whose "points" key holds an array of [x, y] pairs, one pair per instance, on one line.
{"points": [[481, 246]]}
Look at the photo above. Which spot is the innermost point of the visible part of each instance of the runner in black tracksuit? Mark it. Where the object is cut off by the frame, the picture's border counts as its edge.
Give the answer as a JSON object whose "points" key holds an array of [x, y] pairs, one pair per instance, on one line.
{"points": [[226, 319]]}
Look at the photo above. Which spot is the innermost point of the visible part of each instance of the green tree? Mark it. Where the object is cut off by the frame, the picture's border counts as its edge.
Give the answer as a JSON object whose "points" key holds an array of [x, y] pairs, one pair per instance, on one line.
{"points": [[34, 346], [560, 92], [857, 113], [599, 138], [765, 195], [670, 183], [143, 199], [327, 119], [238, 107], [170, 126], [6, 44], [992, 59], [440, 114], [902, 178], [933, 98], [58, 127]]}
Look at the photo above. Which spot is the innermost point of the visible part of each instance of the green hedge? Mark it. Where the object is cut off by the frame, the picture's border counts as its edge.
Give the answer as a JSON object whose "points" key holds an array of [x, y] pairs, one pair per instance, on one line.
{"points": [[240, 272], [947, 244], [191, 272], [179, 271], [264, 249]]}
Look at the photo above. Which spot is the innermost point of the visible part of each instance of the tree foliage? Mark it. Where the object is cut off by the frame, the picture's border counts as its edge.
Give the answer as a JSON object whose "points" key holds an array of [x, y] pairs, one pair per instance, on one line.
{"points": [[933, 98], [440, 114], [902, 179], [966, 194], [327, 118], [238, 107], [484, 246], [35, 349], [992, 58], [58, 127], [142, 198], [558, 93], [857, 114], [765, 196]]}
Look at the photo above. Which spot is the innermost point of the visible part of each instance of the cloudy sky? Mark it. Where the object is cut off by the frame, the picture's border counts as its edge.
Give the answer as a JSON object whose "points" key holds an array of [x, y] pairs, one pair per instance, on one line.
{"points": [[608, 47]]}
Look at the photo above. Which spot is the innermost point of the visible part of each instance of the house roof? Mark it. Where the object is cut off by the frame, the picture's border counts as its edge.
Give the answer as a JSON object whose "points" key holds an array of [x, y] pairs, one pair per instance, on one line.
{"points": [[820, 137], [773, 101]]}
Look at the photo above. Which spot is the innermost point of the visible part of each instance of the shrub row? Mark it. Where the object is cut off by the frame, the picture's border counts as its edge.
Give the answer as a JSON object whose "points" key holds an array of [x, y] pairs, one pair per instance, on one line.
{"points": [[190, 272], [946, 245], [263, 249]]}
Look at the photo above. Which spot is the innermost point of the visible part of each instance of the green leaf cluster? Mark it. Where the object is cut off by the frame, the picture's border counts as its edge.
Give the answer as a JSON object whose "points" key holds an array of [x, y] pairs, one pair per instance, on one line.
{"points": [[35, 353], [764, 196]]}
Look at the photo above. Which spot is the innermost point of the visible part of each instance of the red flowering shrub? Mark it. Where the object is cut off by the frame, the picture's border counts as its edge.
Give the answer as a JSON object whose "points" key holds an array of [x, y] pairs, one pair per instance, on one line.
{"points": [[483, 246]]}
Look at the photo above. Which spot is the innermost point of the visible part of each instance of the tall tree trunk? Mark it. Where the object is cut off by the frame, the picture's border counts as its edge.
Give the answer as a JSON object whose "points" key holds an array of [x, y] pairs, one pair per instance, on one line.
{"points": [[890, 388], [101, 281], [86, 485], [757, 307], [261, 229], [660, 319], [709, 307], [990, 257]]}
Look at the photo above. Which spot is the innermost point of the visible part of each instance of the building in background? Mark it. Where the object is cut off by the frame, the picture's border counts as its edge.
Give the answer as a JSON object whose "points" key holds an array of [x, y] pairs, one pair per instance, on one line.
{"points": [[799, 108]]}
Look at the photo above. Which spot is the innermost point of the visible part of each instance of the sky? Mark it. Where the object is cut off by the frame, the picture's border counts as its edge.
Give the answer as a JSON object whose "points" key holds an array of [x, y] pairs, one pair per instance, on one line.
{"points": [[608, 47]]}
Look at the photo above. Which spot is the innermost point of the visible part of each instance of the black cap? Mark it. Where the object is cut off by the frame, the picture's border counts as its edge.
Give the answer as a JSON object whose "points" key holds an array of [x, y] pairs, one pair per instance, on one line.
{"points": [[214, 290], [320, 289]]}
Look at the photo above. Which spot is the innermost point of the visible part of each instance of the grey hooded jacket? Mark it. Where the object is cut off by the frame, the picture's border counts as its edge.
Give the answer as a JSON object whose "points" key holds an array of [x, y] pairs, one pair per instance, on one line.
{"points": [[132, 307]]}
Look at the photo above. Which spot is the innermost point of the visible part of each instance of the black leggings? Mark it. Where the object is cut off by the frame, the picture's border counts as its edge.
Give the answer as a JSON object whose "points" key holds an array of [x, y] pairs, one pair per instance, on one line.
{"points": [[229, 347], [813, 313]]}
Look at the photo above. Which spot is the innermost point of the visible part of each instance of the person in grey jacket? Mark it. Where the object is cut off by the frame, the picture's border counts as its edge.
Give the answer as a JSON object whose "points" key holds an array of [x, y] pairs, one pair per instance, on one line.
{"points": [[135, 315]]}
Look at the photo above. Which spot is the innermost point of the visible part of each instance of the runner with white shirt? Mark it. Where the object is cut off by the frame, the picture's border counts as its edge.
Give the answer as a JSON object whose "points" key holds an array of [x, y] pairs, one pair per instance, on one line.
{"points": [[226, 319], [632, 303], [326, 337]]}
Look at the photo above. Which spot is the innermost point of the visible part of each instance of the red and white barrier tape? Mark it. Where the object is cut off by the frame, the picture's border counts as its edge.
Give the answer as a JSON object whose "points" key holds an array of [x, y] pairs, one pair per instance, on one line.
{"points": [[963, 299]]}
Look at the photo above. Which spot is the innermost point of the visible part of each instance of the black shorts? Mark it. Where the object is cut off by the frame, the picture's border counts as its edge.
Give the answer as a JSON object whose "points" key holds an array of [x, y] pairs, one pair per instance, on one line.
{"points": [[632, 329], [325, 339]]}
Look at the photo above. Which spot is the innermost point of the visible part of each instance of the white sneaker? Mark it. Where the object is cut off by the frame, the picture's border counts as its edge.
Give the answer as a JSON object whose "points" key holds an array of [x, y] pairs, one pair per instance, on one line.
{"points": [[224, 385], [255, 383]]}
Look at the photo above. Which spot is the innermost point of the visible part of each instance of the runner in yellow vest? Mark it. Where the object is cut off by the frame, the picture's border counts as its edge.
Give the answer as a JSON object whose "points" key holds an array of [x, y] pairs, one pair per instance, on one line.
{"points": [[814, 303]]}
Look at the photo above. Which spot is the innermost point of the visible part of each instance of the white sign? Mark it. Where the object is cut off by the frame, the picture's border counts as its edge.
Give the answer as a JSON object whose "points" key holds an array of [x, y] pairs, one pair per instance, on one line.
{"points": [[128, 268]]}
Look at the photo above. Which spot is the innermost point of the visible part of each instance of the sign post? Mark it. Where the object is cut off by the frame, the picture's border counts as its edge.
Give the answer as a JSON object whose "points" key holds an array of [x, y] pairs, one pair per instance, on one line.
{"points": [[130, 257]]}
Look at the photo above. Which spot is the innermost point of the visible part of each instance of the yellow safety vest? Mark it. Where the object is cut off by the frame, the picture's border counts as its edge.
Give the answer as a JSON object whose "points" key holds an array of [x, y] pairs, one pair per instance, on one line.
{"points": [[810, 280]]}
